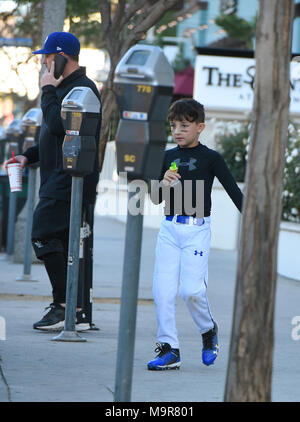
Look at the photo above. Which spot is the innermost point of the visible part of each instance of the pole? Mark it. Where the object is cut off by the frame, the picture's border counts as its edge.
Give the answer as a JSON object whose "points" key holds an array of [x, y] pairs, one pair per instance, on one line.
{"points": [[85, 279], [88, 265], [29, 215], [12, 210], [128, 310], [69, 333]]}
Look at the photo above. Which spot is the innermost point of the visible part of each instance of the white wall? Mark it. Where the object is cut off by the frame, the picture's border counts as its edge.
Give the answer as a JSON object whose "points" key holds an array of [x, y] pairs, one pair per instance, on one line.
{"points": [[289, 250]]}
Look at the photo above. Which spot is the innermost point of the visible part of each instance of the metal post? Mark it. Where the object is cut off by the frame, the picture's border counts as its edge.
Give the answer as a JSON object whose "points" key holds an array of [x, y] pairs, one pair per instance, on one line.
{"points": [[128, 310], [88, 265], [69, 333], [81, 263], [12, 210], [29, 215], [85, 279]]}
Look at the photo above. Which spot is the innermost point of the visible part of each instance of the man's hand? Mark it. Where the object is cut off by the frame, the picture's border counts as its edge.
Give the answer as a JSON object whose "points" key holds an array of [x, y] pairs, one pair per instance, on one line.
{"points": [[19, 159], [48, 77], [170, 176]]}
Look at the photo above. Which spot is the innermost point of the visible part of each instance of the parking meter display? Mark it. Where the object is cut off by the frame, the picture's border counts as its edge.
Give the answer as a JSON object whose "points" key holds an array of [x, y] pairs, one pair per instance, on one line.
{"points": [[143, 83], [138, 57]]}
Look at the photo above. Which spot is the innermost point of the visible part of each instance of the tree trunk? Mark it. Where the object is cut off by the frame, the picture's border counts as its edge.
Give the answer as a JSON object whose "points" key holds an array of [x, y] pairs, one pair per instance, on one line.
{"points": [[53, 17], [54, 14], [249, 372], [118, 39]]}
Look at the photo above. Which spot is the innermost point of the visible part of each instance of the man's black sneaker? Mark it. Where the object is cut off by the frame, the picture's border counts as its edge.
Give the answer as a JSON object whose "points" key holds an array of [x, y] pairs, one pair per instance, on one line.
{"points": [[210, 346], [54, 319], [82, 322]]}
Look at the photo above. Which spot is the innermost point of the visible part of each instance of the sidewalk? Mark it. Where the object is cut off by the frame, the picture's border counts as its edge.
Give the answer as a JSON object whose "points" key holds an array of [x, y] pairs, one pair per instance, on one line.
{"points": [[36, 369]]}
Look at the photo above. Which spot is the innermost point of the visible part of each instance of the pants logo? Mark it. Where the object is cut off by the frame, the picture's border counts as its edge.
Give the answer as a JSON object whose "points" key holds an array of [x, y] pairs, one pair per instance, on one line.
{"points": [[38, 244]]}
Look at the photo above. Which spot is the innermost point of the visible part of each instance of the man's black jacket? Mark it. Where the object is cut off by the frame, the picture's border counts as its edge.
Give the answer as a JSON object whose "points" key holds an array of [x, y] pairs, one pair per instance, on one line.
{"points": [[55, 183]]}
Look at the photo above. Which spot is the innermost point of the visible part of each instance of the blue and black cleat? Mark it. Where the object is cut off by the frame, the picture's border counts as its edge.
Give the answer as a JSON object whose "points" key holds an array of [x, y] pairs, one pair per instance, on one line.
{"points": [[167, 358], [210, 346]]}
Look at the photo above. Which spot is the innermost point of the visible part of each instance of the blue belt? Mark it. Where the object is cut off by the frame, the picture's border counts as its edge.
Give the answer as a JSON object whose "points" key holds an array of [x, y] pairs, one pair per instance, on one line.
{"points": [[185, 219]]}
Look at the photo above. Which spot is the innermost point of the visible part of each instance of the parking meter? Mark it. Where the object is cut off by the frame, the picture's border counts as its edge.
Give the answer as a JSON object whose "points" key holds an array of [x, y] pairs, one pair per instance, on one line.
{"points": [[80, 113], [31, 124], [144, 82], [14, 138]]}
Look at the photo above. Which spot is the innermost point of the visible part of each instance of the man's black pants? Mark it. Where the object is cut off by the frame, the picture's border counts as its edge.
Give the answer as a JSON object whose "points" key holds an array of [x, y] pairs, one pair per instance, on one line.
{"points": [[50, 238]]}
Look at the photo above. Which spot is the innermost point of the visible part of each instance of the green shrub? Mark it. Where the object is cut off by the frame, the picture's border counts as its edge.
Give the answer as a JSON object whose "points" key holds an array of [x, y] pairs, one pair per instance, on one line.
{"points": [[232, 140], [291, 190]]}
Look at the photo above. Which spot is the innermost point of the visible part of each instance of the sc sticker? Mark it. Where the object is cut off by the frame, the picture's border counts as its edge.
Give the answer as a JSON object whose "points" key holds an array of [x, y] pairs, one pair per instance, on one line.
{"points": [[129, 158]]}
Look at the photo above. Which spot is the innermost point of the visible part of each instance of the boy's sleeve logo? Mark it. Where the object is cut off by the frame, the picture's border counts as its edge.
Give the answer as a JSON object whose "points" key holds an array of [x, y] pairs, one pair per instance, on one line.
{"points": [[190, 163]]}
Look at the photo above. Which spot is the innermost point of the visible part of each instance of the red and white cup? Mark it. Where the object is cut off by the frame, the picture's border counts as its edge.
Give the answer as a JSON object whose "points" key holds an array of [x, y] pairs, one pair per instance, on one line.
{"points": [[14, 171]]}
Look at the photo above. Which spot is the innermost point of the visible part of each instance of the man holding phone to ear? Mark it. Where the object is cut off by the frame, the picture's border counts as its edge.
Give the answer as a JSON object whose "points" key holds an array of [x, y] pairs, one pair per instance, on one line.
{"points": [[50, 229]]}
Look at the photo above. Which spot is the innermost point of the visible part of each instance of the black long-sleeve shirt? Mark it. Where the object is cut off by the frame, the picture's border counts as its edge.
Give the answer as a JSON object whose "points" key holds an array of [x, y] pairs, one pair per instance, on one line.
{"points": [[55, 183], [198, 163]]}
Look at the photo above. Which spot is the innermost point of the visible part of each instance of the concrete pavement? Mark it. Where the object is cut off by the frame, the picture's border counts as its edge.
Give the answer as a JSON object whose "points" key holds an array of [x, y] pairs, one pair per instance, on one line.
{"points": [[36, 369]]}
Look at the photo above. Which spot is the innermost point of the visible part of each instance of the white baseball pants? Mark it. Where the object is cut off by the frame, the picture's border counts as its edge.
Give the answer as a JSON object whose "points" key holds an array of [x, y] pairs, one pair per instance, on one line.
{"points": [[181, 257]]}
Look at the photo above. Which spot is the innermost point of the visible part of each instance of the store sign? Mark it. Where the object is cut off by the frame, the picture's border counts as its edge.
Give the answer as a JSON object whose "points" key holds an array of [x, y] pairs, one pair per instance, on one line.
{"points": [[227, 83], [15, 42]]}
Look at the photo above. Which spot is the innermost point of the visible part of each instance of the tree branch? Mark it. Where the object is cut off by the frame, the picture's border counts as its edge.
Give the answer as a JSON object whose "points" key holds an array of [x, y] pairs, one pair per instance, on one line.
{"points": [[105, 11], [132, 9], [154, 14]]}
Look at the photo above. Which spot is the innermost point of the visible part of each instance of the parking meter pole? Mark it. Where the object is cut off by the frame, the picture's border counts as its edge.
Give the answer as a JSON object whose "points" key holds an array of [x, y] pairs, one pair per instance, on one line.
{"points": [[69, 333], [31, 125], [12, 210], [81, 261], [29, 215], [80, 114], [128, 310]]}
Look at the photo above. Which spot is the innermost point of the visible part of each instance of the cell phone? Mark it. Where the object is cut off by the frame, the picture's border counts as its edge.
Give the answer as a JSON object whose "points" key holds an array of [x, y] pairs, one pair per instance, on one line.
{"points": [[60, 62]]}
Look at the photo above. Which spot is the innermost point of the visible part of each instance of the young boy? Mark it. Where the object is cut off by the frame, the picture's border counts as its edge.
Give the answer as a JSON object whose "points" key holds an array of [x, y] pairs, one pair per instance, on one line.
{"points": [[184, 240]]}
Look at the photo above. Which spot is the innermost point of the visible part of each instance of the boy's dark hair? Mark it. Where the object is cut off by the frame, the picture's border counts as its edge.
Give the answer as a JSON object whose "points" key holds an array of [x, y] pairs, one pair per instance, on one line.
{"points": [[188, 109]]}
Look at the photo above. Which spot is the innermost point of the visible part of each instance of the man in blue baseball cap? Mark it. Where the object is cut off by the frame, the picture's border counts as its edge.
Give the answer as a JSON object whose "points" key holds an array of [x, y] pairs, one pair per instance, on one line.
{"points": [[60, 41], [50, 228], [63, 44]]}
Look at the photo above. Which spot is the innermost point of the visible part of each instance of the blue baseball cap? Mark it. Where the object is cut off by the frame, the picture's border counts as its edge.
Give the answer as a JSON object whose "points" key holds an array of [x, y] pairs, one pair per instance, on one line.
{"points": [[60, 41]]}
